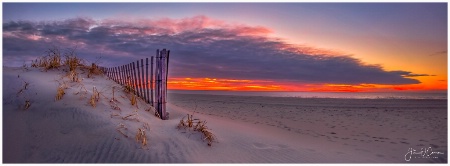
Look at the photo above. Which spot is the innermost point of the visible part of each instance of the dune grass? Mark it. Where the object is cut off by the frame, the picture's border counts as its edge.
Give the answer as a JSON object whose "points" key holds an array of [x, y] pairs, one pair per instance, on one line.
{"points": [[199, 127]]}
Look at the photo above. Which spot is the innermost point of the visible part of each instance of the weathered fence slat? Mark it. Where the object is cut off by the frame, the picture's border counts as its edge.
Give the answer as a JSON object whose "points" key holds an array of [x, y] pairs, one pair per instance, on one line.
{"points": [[143, 81], [122, 74], [151, 82], [147, 85], [157, 94], [128, 74], [139, 80], [115, 75], [134, 78]]}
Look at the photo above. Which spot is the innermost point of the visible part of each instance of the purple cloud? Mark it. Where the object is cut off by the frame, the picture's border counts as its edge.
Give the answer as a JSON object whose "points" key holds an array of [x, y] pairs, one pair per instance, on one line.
{"points": [[200, 47]]}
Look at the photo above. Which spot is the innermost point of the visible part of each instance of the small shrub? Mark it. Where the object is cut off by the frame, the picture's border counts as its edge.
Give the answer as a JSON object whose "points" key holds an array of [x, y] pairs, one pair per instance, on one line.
{"points": [[54, 58], [94, 70], [140, 137], [73, 62], [73, 75], [200, 127], [95, 97], [59, 93], [133, 100]]}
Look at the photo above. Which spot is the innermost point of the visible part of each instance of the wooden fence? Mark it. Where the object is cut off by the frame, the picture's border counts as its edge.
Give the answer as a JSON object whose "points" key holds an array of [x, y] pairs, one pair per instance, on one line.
{"points": [[136, 76]]}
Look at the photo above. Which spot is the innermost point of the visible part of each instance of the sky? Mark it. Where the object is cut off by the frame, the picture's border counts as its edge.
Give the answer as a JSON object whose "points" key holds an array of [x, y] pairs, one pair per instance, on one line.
{"points": [[338, 47]]}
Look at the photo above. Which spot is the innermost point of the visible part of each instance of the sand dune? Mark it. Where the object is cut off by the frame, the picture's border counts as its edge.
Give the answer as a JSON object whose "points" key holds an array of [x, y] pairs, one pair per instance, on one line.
{"points": [[248, 129]]}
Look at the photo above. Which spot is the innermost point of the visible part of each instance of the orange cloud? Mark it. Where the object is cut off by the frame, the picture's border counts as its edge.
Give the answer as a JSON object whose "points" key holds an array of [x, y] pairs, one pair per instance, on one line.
{"points": [[221, 84]]}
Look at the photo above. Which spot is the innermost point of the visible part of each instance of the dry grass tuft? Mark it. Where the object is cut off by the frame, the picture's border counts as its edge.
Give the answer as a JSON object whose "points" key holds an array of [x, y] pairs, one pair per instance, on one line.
{"points": [[133, 116], [121, 127], [114, 115], [53, 59], [59, 93], [190, 121], [72, 61], [27, 104], [114, 105], [133, 100], [208, 136], [200, 127], [140, 137], [34, 63], [181, 124], [73, 75], [94, 70], [95, 97]]}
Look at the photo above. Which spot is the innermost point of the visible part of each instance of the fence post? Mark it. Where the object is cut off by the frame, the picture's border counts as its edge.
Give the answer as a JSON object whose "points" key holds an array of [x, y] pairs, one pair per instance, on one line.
{"points": [[114, 77], [151, 82], [163, 84], [119, 78], [117, 74], [128, 75], [157, 87], [122, 75], [146, 80], [110, 73], [167, 73], [139, 80], [143, 81], [134, 78]]}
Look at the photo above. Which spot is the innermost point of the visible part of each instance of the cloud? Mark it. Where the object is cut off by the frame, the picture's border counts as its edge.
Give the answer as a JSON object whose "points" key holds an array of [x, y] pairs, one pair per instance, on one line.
{"points": [[439, 53], [200, 47]]}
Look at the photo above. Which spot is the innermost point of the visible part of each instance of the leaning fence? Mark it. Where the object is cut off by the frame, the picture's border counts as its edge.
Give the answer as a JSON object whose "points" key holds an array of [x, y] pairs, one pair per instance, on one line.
{"points": [[152, 88]]}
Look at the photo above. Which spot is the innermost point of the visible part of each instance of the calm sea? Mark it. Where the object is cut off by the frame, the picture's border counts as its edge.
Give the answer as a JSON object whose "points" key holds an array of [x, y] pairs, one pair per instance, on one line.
{"points": [[349, 95]]}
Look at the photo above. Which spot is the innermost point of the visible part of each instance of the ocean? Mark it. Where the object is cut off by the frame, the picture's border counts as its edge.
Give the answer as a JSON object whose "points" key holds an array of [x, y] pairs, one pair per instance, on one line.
{"points": [[343, 95]]}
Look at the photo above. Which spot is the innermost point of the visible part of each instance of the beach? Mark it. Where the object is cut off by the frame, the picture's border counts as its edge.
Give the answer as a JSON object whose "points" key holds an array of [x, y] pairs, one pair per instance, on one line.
{"points": [[352, 130], [248, 129]]}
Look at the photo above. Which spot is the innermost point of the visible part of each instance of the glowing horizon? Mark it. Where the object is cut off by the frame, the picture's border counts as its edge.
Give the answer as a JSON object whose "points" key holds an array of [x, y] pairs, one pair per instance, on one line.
{"points": [[264, 85]]}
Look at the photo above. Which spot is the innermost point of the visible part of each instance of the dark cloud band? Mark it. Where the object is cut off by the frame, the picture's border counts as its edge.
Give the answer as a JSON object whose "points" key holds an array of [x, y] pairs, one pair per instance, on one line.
{"points": [[200, 47]]}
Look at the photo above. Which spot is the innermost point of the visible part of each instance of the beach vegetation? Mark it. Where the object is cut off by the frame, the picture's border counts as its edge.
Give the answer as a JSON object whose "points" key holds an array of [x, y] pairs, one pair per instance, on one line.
{"points": [[141, 137], [200, 126], [59, 93]]}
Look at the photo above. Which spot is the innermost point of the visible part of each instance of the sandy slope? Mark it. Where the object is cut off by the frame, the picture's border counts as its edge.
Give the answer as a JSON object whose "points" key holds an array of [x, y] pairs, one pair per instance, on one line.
{"points": [[249, 129]]}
